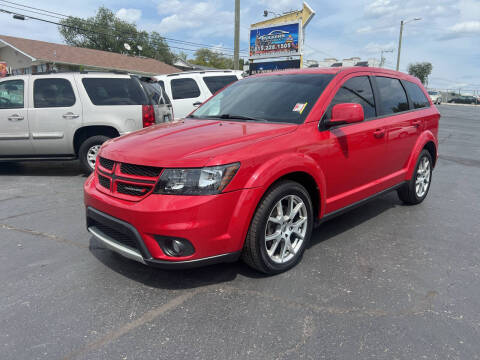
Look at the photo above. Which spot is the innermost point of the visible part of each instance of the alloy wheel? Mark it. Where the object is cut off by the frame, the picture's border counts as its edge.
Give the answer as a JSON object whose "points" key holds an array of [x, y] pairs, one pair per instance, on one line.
{"points": [[92, 155], [422, 180], [286, 229]]}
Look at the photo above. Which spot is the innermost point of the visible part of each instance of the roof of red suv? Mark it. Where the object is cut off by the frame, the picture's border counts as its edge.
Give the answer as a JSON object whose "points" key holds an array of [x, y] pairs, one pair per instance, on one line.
{"points": [[336, 70]]}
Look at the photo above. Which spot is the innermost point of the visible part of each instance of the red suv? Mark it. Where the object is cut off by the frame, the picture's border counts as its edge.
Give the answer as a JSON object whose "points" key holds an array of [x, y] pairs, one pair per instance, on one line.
{"points": [[257, 166]]}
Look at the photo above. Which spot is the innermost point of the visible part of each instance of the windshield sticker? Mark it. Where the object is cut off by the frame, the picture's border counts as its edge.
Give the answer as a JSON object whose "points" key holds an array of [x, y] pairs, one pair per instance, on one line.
{"points": [[299, 107]]}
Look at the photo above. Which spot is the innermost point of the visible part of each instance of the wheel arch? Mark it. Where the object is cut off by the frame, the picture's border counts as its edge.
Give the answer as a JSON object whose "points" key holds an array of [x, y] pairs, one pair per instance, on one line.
{"points": [[85, 132], [425, 141]]}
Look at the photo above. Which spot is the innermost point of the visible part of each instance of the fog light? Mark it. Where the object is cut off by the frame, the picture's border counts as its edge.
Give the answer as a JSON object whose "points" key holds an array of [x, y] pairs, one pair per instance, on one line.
{"points": [[175, 247]]}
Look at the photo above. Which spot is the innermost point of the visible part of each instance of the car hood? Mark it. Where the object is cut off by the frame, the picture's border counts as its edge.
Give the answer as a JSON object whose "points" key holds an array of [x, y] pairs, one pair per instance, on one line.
{"points": [[189, 142]]}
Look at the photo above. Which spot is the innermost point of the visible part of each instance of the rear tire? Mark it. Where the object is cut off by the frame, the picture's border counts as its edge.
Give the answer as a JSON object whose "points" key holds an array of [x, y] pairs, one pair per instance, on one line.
{"points": [[416, 189], [285, 217], [88, 152]]}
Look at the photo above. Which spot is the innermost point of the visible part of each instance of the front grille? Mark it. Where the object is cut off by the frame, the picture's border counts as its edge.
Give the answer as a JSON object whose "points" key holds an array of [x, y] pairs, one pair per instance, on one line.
{"points": [[104, 181], [106, 163], [133, 189], [140, 170], [115, 235]]}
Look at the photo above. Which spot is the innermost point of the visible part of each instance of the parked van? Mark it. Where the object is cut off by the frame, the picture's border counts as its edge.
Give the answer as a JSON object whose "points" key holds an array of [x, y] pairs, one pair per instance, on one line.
{"points": [[67, 116], [190, 89]]}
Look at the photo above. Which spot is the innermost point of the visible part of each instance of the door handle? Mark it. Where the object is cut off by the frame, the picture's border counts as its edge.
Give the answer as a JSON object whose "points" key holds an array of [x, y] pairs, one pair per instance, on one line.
{"points": [[379, 133], [417, 123], [198, 103], [15, 117], [70, 115]]}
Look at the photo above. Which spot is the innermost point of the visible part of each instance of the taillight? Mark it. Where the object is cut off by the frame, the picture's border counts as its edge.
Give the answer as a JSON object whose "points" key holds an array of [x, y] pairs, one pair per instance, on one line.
{"points": [[148, 115]]}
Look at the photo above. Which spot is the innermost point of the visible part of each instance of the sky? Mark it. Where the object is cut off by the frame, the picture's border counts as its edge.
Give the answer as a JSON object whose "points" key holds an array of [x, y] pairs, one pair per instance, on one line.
{"points": [[447, 35]]}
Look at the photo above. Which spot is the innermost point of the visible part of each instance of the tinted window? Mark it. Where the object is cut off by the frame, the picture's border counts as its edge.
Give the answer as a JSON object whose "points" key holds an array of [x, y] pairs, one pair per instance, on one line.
{"points": [[279, 98], [114, 91], [417, 96], [357, 90], [49, 93], [392, 95], [215, 83], [184, 89], [11, 94], [162, 84]]}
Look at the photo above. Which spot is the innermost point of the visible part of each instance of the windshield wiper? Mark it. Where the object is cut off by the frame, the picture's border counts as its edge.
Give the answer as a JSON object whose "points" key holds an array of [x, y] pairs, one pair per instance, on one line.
{"points": [[239, 117]]}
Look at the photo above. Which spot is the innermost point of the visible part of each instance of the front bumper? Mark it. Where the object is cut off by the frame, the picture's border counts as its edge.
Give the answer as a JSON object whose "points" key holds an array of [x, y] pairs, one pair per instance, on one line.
{"points": [[96, 221], [215, 225]]}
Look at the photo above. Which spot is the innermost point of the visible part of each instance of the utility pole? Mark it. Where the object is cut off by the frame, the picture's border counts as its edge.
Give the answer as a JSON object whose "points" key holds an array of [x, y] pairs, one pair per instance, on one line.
{"points": [[382, 58], [399, 45], [400, 39], [236, 47]]}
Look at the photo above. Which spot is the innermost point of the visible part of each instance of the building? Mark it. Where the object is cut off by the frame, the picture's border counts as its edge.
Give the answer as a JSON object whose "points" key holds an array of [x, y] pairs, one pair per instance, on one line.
{"points": [[353, 61], [25, 56]]}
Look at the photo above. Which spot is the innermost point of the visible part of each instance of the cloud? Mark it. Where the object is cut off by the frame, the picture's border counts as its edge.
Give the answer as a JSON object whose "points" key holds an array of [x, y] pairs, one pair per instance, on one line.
{"points": [[204, 17], [373, 47], [130, 15], [466, 28], [281, 5]]}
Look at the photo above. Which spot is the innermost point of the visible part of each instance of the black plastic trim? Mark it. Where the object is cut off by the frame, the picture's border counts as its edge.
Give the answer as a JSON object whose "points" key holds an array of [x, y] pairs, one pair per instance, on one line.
{"points": [[358, 203]]}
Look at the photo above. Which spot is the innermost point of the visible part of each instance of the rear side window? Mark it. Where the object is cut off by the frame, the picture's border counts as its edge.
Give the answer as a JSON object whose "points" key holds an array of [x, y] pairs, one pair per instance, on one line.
{"points": [[186, 88], [356, 90], [417, 96], [392, 95], [111, 91], [11, 94], [48, 93], [215, 83]]}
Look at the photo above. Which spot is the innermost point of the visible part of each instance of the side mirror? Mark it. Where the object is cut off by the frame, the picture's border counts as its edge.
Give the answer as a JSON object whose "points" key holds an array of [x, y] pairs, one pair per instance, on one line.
{"points": [[347, 113]]}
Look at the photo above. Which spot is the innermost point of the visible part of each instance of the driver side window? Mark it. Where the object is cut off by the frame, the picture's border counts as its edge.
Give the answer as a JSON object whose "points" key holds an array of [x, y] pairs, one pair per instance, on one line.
{"points": [[356, 90], [11, 94]]}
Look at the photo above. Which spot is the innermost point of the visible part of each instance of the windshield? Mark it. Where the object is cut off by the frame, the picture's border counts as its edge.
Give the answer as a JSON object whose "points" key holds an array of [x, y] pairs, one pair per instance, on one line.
{"points": [[433, 93], [277, 98]]}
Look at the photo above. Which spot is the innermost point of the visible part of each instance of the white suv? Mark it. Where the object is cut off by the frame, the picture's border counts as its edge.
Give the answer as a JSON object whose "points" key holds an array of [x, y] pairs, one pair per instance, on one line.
{"points": [[61, 116], [435, 96], [190, 89]]}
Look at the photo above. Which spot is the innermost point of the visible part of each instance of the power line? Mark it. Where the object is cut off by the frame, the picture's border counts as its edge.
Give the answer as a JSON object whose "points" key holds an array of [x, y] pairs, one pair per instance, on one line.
{"points": [[64, 16]]}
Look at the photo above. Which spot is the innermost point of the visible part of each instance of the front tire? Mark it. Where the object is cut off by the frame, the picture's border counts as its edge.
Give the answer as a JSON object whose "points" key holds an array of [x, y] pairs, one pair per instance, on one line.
{"points": [[280, 229], [416, 189], [88, 152]]}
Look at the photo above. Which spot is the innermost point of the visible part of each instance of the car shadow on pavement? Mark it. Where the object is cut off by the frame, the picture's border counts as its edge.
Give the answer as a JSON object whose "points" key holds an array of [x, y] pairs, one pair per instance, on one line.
{"points": [[223, 273], [171, 279], [41, 168], [353, 218]]}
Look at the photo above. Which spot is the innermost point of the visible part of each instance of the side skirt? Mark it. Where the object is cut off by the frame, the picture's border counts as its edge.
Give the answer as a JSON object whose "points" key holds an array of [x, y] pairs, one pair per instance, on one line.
{"points": [[341, 211]]}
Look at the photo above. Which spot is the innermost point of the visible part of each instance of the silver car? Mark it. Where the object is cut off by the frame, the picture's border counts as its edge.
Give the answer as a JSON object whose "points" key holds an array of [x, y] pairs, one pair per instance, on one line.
{"points": [[67, 116]]}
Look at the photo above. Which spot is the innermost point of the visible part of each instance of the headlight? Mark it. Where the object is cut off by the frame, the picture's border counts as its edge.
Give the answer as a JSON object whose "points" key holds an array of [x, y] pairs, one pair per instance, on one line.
{"points": [[198, 181]]}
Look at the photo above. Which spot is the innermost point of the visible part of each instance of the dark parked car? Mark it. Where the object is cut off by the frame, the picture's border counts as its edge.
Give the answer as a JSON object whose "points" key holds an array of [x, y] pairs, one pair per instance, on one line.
{"points": [[464, 100]]}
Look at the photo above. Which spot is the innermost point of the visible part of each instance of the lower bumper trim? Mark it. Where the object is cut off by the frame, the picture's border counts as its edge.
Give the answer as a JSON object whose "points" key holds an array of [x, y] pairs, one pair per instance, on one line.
{"points": [[112, 245]]}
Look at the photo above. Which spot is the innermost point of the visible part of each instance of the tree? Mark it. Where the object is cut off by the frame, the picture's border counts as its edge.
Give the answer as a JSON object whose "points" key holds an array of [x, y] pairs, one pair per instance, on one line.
{"points": [[421, 71], [207, 57], [105, 31]]}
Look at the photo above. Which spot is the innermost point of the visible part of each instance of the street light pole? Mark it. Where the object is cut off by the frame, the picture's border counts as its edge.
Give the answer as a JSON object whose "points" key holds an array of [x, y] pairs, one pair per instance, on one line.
{"points": [[402, 23], [236, 47], [399, 45]]}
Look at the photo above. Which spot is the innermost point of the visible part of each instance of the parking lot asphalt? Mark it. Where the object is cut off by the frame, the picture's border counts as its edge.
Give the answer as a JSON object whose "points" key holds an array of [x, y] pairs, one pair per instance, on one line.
{"points": [[384, 281]]}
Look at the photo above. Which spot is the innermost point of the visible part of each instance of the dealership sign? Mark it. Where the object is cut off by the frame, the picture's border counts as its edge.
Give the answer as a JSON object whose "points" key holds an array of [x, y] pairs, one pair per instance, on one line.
{"points": [[275, 41]]}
